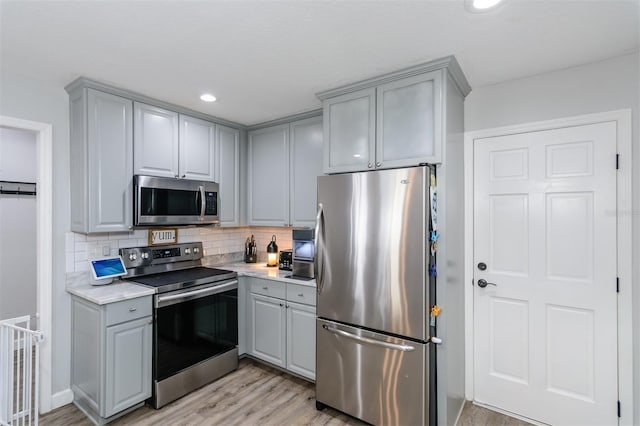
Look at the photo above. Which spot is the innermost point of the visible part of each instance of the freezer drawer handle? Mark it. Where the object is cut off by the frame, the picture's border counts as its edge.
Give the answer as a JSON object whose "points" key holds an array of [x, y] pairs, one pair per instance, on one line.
{"points": [[403, 348]]}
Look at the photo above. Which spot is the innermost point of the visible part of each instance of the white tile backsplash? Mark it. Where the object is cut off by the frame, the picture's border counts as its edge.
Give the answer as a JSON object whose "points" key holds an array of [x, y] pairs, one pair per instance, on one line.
{"points": [[216, 241]]}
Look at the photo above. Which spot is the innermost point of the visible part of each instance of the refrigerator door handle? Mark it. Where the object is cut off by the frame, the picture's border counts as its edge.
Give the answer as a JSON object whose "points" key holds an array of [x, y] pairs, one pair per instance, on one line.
{"points": [[318, 262], [403, 348]]}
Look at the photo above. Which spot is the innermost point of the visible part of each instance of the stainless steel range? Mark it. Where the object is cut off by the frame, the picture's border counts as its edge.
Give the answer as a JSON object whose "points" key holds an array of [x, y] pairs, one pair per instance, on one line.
{"points": [[195, 329]]}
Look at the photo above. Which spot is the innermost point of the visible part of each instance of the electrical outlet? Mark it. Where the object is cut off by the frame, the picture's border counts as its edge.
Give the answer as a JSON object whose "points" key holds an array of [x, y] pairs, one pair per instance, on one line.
{"points": [[106, 250]]}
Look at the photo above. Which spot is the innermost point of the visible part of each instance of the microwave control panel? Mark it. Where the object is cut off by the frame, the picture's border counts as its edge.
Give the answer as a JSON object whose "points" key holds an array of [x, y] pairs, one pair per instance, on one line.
{"points": [[210, 204]]}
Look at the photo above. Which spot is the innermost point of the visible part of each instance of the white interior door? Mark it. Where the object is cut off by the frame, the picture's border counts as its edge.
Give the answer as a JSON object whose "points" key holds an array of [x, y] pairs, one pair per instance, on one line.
{"points": [[545, 344]]}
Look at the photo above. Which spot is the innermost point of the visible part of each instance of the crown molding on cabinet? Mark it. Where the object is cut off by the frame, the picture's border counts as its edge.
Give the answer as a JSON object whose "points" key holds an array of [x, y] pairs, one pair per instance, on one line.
{"points": [[103, 87], [449, 62], [287, 119]]}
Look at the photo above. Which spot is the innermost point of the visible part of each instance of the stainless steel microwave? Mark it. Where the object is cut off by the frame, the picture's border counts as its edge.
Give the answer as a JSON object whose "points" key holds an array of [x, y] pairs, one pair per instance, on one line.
{"points": [[170, 201]]}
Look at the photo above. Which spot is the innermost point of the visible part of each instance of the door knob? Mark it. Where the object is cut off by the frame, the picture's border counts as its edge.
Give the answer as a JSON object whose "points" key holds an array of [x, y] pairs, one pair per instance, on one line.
{"points": [[482, 283], [482, 266]]}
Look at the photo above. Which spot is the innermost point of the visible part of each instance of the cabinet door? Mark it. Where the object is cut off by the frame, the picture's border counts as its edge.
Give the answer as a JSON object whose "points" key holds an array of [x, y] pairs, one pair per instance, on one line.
{"points": [[128, 365], [267, 334], [409, 114], [228, 174], [110, 157], [349, 132], [301, 339], [269, 176], [306, 166], [155, 141], [197, 149]]}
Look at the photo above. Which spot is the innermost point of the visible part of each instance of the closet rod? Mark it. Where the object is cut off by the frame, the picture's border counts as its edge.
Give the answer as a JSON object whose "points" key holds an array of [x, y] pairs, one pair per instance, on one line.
{"points": [[17, 188]]}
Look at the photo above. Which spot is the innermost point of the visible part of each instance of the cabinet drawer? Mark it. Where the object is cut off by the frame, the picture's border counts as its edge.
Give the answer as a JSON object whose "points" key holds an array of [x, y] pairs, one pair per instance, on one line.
{"points": [[128, 310], [269, 288], [301, 294]]}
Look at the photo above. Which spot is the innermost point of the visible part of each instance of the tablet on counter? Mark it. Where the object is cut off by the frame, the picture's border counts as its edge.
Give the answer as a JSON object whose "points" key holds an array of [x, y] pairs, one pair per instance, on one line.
{"points": [[107, 268]]}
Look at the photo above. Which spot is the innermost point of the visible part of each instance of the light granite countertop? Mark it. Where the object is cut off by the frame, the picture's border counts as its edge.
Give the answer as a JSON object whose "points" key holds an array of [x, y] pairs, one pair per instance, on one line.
{"points": [[117, 291], [124, 290], [260, 270]]}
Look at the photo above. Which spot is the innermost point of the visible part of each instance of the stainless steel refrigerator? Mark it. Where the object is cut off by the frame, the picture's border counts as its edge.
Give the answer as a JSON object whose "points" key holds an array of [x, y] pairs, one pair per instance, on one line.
{"points": [[374, 359]]}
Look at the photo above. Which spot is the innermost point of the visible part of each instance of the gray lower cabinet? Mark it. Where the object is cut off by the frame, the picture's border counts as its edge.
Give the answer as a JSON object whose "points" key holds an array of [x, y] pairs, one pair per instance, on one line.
{"points": [[281, 325], [101, 153], [268, 338], [284, 163], [111, 356], [301, 339]]}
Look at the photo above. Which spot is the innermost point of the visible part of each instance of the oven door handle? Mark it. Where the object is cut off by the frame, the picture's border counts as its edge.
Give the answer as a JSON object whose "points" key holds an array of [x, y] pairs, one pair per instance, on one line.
{"points": [[172, 299]]}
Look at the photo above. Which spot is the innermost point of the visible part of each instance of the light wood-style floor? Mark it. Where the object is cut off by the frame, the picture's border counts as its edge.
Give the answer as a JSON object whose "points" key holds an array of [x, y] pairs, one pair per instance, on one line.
{"points": [[253, 395]]}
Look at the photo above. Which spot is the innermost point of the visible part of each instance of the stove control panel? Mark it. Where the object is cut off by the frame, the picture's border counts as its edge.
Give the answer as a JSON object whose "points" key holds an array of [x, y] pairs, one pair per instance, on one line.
{"points": [[136, 257]]}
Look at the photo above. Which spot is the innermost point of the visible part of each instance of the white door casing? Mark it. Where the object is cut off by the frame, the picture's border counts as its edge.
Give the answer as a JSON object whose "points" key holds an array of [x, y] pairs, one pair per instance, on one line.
{"points": [[545, 345]]}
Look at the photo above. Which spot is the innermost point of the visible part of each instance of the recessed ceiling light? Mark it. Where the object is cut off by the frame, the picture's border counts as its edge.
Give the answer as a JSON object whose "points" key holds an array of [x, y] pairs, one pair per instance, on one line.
{"points": [[480, 6], [208, 97]]}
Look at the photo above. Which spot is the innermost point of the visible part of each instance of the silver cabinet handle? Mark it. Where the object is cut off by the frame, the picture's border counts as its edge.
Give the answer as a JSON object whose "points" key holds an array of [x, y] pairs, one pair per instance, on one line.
{"points": [[300, 295], [265, 288], [132, 309], [369, 165], [482, 283], [403, 348], [378, 164], [318, 262]]}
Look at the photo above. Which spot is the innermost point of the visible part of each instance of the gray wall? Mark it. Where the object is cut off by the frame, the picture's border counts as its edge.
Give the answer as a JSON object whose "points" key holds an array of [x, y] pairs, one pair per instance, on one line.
{"points": [[598, 87], [47, 103], [18, 278]]}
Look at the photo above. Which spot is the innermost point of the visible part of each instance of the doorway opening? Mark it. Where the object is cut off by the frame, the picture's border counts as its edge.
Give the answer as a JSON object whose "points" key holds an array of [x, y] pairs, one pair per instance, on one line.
{"points": [[37, 156]]}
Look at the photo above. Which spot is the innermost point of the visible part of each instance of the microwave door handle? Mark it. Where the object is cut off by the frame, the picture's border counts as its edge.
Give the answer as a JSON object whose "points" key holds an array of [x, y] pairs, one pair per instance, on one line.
{"points": [[203, 202]]}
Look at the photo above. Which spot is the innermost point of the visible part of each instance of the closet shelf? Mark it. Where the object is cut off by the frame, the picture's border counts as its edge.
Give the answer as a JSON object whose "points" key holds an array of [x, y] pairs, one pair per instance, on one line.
{"points": [[17, 188]]}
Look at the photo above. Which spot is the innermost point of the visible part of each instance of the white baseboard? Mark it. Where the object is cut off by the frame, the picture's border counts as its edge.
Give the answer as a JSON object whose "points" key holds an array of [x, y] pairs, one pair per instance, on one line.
{"points": [[61, 398]]}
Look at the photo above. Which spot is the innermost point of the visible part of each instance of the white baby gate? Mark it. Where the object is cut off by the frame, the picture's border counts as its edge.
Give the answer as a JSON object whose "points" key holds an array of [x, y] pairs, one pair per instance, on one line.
{"points": [[19, 359]]}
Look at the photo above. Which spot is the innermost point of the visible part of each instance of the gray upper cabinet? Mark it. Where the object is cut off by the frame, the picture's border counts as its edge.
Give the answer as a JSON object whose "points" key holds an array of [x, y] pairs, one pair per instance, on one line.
{"points": [[101, 152], [173, 145], [408, 120], [197, 149], [350, 132], [268, 172], [394, 120], [305, 167], [228, 174], [284, 163], [156, 142]]}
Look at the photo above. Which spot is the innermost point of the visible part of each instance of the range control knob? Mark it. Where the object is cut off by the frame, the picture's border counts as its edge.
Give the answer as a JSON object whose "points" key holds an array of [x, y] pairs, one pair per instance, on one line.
{"points": [[145, 255], [196, 249], [133, 256], [187, 251]]}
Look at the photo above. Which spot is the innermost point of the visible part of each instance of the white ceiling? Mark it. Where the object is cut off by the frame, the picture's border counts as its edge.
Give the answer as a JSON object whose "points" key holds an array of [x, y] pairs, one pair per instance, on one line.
{"points": [[267, 59]]}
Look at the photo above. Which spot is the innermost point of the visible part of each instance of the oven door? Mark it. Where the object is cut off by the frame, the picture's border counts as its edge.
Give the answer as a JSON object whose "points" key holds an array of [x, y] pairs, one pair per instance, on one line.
{"points": [[193, 325], [166, 201]]}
